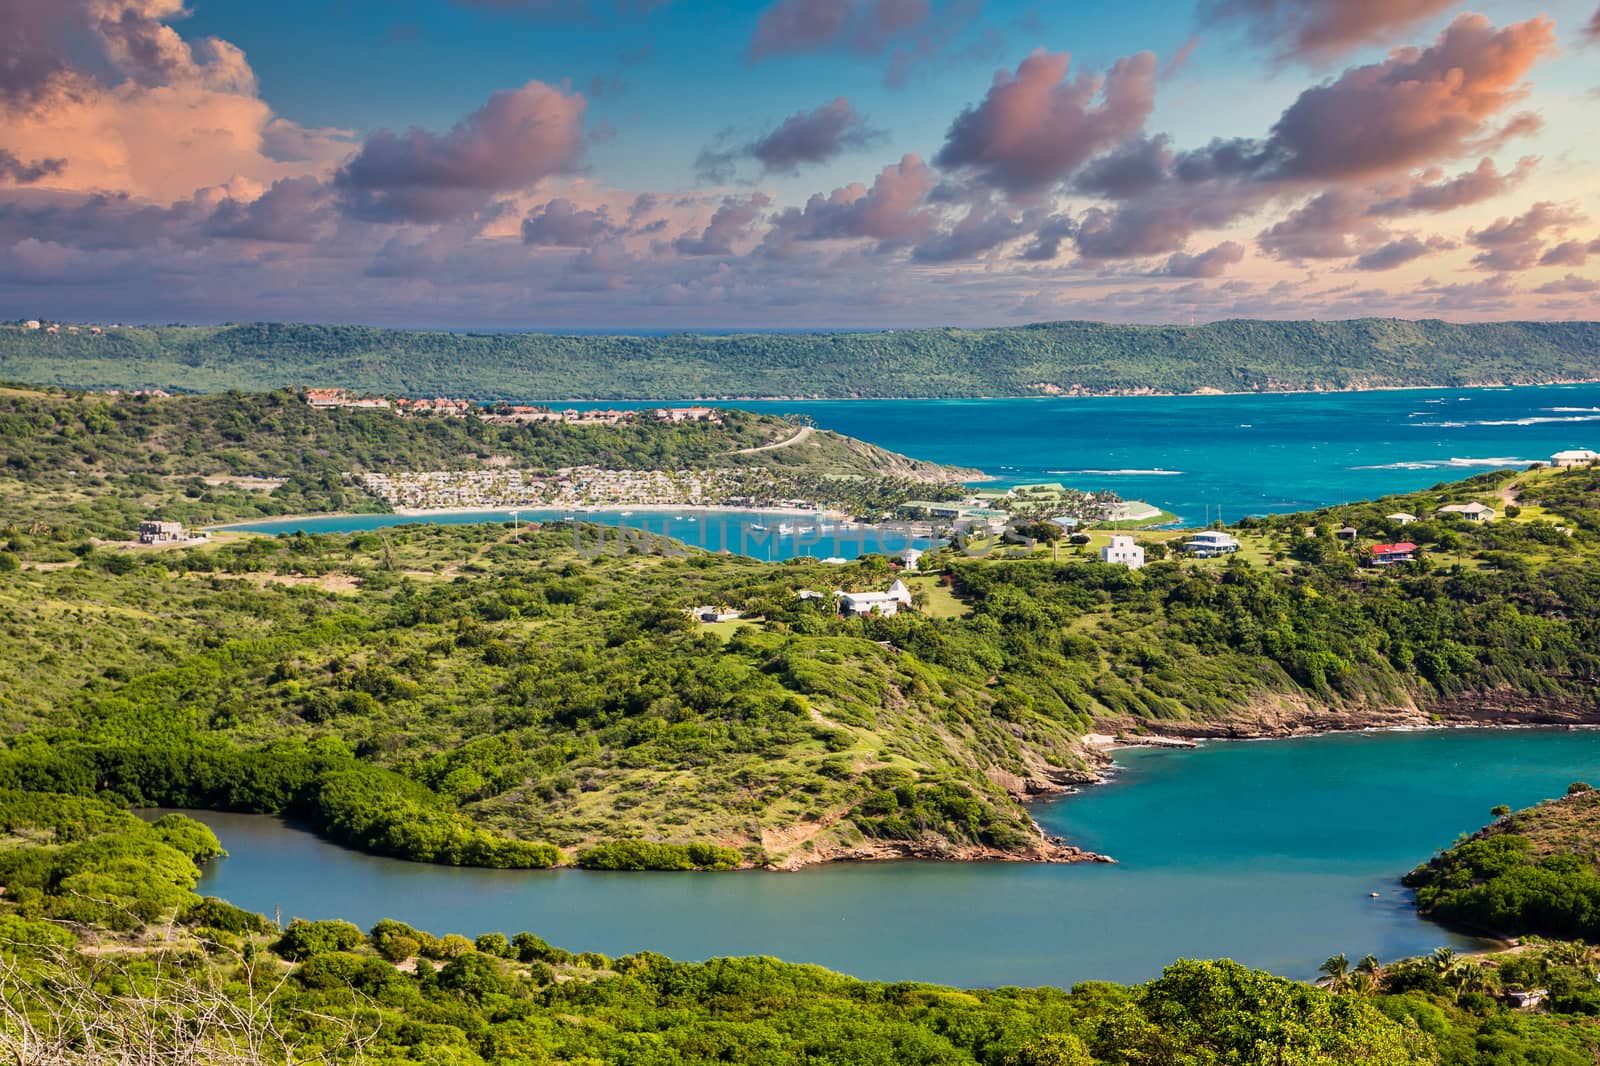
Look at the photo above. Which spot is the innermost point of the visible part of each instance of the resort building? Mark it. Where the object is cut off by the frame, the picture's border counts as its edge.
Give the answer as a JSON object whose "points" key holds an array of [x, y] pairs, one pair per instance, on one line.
{"points": [[911, 557], [162, 533], [885, 604], [1574, 457], [1400, 518], [1390, 554], [1123, 551], [688, 414], [1472, 512], [1210, 543]]}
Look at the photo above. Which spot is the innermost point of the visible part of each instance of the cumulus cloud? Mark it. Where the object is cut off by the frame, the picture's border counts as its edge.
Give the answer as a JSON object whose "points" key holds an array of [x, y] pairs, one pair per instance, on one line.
{"points": [[893, 211], [113, 92], [1569, 285], [732, 223], [1400, 251], [1211, 263], [1591, 31], [1416, 107], [805, 137], [1573, 253], [518, 137], [1433, 195], [1319, 30], [1516, 243], [1035, 127], [560, 222]]}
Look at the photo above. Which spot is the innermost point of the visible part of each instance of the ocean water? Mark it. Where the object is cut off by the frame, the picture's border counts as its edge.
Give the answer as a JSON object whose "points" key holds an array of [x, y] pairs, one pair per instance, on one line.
{"points": [[1266, 852], [1201, 456]]}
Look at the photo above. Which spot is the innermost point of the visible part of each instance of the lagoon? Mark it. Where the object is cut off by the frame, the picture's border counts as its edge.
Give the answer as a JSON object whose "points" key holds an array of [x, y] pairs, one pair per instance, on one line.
{"points": [[1261, 851]]}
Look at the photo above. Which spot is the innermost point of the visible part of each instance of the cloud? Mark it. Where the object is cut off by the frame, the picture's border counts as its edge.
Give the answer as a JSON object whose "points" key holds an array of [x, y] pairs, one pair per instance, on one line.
{"points": [[115, 94], [982, 228], [732, 223], [893, 211], [1570, 253], [1418, 106], [292, 211], [1516, 243], [1591, 31], [1481, 183], [789, 27], [1211, 263], [518, 137], [1571, 284], [1332, 225], [1401, 251], [560, 222], [14, 169], [1319, 30], [1034, 128], [805, 137]]}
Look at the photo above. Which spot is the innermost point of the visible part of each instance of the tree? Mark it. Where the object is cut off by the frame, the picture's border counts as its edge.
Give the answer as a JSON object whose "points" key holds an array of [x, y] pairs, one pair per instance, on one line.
{"points": [[1337, 970]]}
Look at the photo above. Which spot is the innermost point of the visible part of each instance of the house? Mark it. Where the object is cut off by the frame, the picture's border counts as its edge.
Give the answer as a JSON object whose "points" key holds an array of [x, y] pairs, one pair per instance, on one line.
{"points": [[1400, 518], [1472, 512], [1527, 1000], [809, 594], [1574, 457], [712, 613], [885, 604], [1210, 543], [687, 414], [1390, 554], [1123, 551], [1345, 533], [911, 557], [31, 324], [162, 533], [322, 398]]}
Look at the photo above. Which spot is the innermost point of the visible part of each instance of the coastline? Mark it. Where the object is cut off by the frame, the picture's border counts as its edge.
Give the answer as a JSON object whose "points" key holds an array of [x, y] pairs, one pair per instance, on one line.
{"points": [[1068, 394], [577, 512]]}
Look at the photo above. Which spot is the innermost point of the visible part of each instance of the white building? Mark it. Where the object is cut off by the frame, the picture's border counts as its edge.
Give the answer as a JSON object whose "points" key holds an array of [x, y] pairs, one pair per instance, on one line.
{"points": [[860, 604], [1210, 543], [1123, 551], [31, 324], [1472, 512], [1574, 457], [1400, 518], [911, 556], [162, 533]]}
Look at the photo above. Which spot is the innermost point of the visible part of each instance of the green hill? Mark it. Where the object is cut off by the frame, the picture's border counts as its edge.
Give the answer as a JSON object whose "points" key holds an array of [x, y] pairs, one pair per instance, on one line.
{"points": [[1043, 359]]}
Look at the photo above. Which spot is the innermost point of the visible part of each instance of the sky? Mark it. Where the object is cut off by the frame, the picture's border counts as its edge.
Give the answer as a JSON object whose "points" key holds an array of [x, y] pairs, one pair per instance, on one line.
{"points": [[789, 164]]}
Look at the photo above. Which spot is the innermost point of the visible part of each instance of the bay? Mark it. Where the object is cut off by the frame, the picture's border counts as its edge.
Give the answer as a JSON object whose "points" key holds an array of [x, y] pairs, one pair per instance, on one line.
{"points": [[1265, 852]]}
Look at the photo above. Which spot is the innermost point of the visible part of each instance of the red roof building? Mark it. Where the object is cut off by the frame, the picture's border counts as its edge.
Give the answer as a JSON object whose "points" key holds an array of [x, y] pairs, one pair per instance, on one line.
{"points": [[1389, 554]]}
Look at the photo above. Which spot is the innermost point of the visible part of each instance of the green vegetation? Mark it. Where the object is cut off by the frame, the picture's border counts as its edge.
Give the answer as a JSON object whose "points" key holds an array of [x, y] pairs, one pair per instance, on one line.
{"points": [[161, 975], [75, 465], [461, 695], [1237, 356], [1536, 871]]}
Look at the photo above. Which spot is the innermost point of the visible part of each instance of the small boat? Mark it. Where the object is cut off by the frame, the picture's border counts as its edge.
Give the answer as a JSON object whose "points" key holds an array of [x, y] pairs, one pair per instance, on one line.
{"points": [[1372, 895], [784, 529], [806, 529], [757, 527], [625, 514]]}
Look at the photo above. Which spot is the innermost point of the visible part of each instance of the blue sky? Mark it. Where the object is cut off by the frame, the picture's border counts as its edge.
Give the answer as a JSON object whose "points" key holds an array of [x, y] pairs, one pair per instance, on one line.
{"points": [[649, 162]]}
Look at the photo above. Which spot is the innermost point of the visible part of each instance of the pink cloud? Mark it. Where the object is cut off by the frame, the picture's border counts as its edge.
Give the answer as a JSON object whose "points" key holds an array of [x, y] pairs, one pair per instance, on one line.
{"points": [[1035, 127], [518, 137], [1319, 30], [1211, 263], [1516, 243]]}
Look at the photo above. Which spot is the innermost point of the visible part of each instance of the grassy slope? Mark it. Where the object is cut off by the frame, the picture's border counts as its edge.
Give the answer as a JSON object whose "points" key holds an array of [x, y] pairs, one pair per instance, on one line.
{"points": [[1230, 356]]}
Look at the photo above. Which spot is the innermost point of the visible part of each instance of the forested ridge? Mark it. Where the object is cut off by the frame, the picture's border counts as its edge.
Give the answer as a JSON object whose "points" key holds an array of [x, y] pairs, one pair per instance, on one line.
{"points": [[1092, 357]]}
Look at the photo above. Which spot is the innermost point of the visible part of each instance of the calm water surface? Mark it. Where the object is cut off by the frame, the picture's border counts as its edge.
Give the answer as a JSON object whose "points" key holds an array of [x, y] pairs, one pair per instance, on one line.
{"points": [[1265, 852]]}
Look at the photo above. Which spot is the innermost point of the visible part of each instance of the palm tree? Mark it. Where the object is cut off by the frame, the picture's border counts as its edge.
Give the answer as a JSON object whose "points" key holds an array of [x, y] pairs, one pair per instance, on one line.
{"points": [[1337, 969], [1363, 983], [1370, 966], [1443, 959]]}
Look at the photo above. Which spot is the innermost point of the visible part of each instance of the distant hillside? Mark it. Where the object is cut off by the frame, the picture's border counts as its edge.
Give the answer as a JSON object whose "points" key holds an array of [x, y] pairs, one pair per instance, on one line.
{"points": [[1044, 359]]}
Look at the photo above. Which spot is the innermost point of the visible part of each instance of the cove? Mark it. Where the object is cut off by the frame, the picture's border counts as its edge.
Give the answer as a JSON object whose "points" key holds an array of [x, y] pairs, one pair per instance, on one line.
{"points": [[1264, 852], [765, 535]]}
